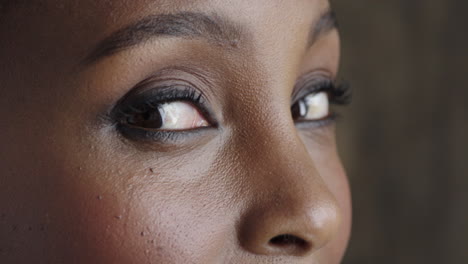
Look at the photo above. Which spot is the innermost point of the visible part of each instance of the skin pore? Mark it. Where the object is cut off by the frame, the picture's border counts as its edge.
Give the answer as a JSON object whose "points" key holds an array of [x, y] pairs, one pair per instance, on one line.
{"points": [[170, 131]]}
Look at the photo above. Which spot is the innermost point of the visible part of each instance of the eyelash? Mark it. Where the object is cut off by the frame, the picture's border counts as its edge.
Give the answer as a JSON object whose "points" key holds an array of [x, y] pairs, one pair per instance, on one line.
{"points": [[338, 94], [150, 99]]}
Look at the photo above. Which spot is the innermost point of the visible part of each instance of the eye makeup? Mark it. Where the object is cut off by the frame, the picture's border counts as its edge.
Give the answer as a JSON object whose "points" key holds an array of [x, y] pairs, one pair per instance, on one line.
{"points": [[316, 94], [339, 94], [141, 115]]}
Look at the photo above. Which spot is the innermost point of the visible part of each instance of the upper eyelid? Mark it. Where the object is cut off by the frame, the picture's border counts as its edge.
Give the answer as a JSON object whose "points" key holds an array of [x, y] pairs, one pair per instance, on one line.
{"points": [[179, 93], [311, 86], [152, 90], [307, 83], [183, 75]]}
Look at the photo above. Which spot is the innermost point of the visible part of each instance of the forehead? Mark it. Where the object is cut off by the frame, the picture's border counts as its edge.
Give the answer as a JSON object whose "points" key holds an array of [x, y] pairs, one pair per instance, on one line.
{"points": [[110, 15], [72, 29], [92, 20], [117, 9], [169, 4]]}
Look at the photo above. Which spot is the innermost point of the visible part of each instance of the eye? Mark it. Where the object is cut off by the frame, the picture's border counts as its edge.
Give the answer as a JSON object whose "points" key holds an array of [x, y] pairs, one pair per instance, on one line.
{"points": [[173, 116], [163, 114], [312, 107], [314, 97]]}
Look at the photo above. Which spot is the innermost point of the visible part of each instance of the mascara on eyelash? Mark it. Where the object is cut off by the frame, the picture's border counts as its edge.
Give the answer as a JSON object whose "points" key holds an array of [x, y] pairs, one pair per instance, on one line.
{"points": [[152, 98], [339, 94], [142, 102]]}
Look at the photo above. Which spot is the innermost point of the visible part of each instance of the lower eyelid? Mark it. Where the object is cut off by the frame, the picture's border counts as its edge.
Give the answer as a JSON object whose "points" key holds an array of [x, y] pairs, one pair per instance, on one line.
{"points": [[312, 124], [160, 136]]}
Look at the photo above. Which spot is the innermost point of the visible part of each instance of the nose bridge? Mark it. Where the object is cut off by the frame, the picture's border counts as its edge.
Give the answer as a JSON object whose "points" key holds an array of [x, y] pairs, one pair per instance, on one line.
{"points": [[290, 199], [282, 162], [286, 175]]}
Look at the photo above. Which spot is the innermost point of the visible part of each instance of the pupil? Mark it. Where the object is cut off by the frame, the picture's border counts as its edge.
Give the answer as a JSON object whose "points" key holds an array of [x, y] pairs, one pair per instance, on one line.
{"points": [[147, 116], [152, 119], [299, 109], [148, 119], [295, 111]]}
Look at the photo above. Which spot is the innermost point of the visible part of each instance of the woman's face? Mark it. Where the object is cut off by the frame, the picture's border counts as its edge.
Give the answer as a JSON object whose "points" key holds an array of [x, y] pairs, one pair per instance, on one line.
{"points": [[149, 131]]}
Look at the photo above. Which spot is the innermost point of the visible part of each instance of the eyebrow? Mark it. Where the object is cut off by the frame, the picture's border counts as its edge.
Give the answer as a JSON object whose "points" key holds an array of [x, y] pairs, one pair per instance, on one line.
{"points": [[326, 23], [187, 25]]}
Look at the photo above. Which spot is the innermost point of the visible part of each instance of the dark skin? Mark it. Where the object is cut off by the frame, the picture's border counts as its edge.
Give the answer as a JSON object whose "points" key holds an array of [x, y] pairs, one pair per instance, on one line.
{"points": [[86, 180]]}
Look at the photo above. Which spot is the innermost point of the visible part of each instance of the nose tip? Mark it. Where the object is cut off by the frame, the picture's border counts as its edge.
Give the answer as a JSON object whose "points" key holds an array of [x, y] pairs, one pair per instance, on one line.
{"points": [[290, 232]]}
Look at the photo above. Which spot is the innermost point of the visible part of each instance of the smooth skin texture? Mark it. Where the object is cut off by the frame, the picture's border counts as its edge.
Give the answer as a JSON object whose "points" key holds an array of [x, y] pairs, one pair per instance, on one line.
{"points": [[254, 188]]}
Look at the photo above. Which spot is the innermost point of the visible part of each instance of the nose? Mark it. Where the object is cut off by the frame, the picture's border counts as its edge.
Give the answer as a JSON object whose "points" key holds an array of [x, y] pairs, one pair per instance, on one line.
{"points": [[292, 212]]}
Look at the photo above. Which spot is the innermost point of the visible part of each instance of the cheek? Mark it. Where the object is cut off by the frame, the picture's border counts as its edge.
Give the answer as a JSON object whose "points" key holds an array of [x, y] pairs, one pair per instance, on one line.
{"points": [[111, 208], [132, 216]]}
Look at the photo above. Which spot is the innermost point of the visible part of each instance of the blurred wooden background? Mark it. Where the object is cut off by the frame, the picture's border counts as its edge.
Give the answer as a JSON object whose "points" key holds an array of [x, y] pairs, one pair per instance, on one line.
{"points": [[404, 140]]}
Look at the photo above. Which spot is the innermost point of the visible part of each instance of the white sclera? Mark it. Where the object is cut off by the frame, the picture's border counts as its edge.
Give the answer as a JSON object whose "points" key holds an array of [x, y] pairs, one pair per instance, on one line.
{"points": [[181, 116], [317, 105]]}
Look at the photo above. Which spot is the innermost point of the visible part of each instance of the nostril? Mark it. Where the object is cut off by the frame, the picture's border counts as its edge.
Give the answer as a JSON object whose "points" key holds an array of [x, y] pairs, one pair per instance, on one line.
{"points": [[290, 242]]}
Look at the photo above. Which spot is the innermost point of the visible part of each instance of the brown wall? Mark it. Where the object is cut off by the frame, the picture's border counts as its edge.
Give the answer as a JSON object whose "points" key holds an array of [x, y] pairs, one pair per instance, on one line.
{"points": [[404, 140]]}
